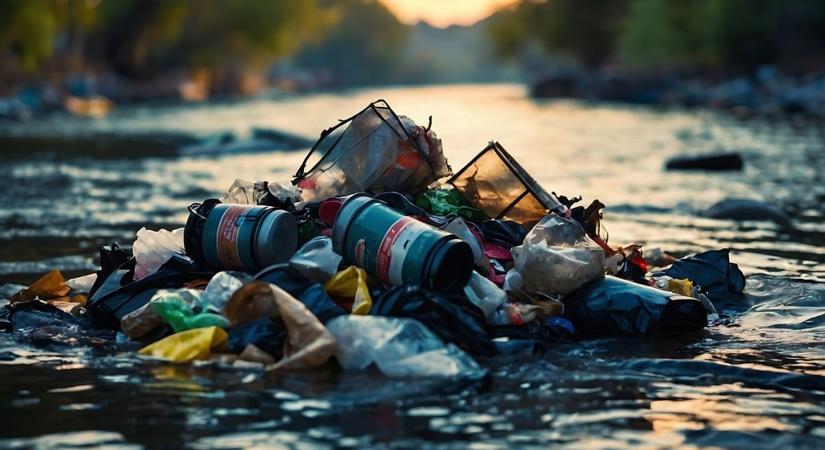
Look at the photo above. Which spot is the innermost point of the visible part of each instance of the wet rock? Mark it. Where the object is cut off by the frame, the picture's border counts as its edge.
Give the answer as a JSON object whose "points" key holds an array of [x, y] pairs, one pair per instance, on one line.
{"points": [[746, 209], [715, 162]]}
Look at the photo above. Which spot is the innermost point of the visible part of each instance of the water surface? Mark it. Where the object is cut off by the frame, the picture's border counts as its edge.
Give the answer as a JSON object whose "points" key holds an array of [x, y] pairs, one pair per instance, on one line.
{"points": [[756, 379]]}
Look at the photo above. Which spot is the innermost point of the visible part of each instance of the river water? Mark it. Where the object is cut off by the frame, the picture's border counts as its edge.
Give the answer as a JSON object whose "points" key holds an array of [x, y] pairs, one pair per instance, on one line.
{"points": [[755, 380]]}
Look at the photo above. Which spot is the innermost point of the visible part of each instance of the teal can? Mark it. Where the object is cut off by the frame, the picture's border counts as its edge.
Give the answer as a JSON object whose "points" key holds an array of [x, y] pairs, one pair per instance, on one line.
{"points": [[397, 249]]}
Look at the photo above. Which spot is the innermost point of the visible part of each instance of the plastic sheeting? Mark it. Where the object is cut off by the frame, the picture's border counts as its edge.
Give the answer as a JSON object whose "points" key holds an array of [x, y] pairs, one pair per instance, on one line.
{"points": [[349, 287], [398, 347], [187, 345]]}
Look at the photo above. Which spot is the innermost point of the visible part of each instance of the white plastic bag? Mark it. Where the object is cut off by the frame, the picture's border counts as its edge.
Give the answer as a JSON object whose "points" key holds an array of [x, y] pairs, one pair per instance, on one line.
{"points": [[484, 294], [316, 260], [399, 347], [557, 257], [153, 248], [221, 287]]}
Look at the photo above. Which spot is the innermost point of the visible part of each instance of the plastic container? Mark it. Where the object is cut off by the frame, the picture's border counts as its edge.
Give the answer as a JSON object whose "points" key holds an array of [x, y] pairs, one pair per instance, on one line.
{"points": [[398, 249], [239, 237]]}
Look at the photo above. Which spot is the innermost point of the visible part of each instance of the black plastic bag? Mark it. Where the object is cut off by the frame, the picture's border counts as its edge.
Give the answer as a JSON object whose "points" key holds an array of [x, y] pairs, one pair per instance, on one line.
{"points": [[454, 319], [719, 279], [613, 306]]}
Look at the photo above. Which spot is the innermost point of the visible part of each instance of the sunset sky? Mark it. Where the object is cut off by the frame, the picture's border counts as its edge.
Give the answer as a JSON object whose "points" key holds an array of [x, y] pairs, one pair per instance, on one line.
{"points": [[443, 13]]}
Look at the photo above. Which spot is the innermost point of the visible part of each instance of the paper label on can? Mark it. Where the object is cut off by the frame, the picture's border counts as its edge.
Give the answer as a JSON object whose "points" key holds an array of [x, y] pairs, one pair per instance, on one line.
{"points": [[227, 237], [392, 251]]}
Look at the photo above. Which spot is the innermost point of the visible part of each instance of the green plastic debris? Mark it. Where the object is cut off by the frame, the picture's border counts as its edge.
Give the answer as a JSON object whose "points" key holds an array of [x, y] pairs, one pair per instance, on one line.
{"points": [[448, 202], [183, 309]]}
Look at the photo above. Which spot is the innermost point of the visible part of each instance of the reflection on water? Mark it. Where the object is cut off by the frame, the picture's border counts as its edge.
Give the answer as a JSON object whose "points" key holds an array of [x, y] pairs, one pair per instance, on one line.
{"points": [[756, 379]]}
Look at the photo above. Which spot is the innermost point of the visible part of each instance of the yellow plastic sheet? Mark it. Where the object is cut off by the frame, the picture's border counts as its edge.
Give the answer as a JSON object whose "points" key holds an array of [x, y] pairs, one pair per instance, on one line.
{"points": [[350, 285], [187, 345], [681, 287]]}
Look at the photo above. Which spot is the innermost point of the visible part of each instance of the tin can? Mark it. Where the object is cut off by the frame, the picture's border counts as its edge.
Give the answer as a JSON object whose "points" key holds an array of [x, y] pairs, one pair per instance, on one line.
{"points": [[399, 249]]}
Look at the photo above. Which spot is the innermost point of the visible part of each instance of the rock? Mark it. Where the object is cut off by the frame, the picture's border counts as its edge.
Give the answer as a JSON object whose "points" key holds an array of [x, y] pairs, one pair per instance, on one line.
{"points": [[716, 162], [745, 209]]}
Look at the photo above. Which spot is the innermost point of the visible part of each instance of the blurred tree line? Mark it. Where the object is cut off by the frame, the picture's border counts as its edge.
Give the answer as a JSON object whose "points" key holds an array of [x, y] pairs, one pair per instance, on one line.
{"points": [[719, 36], [145, 39]]}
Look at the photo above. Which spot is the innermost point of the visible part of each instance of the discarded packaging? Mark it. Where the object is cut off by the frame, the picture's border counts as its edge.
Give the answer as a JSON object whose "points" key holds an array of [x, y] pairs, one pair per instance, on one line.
{"points": [[557, 257], [187, 345], [315, 260]]}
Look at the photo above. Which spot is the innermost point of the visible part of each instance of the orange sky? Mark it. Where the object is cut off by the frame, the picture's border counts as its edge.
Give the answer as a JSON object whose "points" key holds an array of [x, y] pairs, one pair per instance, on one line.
{"points": [[442, 13]]}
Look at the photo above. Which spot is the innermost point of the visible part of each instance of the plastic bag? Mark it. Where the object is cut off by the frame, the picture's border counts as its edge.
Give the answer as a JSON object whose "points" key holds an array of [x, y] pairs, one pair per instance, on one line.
{"points": [[557, 257], [377, 151], [187, 345], [712, 270], [484, 294], [399, 347], [221, 287], [153, 248], [349, 287], [448, 202], [183, 310], [315, 260], [308, 343], [140, 321]]}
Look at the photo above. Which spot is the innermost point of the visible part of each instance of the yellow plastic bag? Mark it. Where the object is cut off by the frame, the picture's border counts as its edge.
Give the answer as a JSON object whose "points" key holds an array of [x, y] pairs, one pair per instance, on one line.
{"points": [[187, 345], [350, 285]]}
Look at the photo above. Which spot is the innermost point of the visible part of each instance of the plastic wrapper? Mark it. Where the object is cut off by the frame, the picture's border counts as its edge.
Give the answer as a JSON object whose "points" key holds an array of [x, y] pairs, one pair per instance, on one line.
{"points": [[557, 257], [495, 183], [153, 248], [377, 151], [187, 345], [315, 260], [221, 287], [484, 294], [183, 309], [141, 321], [308, 343], [349, 287], [399, 347]]}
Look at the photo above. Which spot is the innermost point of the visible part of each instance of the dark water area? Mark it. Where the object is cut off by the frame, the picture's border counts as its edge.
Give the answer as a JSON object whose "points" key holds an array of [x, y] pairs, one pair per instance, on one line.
{"points": [[754, 379]]}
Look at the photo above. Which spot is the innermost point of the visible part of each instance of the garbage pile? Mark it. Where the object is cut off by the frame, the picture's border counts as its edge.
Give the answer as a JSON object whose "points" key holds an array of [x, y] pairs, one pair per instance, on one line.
{"points": [[377, 255]]}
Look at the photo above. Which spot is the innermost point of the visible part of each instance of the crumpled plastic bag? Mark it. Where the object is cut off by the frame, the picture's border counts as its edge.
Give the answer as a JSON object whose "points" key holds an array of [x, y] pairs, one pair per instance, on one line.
{"points": [[349, 287], [183, 309], [315, 260], [377, 151], [153, 248], [244, 192], [484, 294], [557, 257], [140, 321], [399, 347], [308, 343], [187, 345], [712, 270], [221, 287]]}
